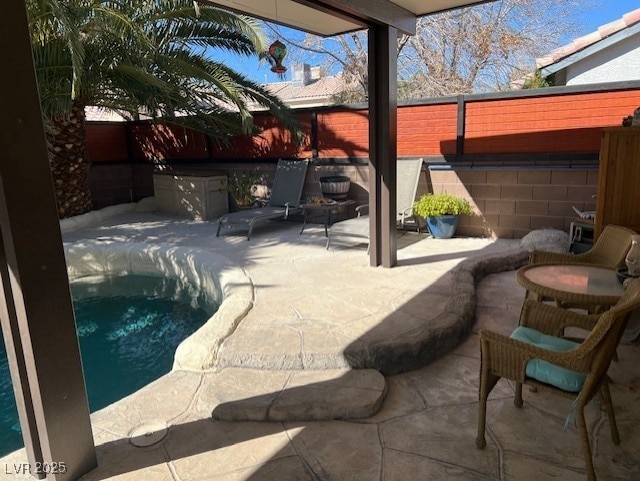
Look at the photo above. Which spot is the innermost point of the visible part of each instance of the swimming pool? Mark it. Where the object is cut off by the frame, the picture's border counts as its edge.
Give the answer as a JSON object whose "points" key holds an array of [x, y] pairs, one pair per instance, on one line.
{"points": [[129, 328], [220, 281]]}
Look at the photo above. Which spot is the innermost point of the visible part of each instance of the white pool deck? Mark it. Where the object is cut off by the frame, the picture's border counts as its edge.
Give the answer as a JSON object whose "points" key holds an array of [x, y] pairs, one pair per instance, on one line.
{"points": [[320, 322]]}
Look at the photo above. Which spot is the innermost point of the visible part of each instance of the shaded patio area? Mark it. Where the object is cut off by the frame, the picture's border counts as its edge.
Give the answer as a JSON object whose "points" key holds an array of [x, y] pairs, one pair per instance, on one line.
{"points": [[316, 314]]}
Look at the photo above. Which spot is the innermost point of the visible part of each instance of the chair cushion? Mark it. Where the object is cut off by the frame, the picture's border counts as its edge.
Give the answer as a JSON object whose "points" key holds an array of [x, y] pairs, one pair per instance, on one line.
{"points": [[544, 371]]}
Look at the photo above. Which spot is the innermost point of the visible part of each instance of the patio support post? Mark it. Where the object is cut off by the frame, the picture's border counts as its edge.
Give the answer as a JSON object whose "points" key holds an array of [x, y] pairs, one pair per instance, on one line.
{"points": [[383, 148], [36, 311], [461, 126]]}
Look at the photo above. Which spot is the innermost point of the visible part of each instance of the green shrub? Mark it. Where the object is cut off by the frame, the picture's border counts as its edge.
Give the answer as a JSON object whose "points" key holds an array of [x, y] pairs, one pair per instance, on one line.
{"points": [[242, 187], [431, 205]]}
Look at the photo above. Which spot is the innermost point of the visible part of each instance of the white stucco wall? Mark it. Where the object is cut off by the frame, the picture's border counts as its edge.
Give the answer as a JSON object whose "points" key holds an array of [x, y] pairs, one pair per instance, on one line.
{"points": [[619, 62]]}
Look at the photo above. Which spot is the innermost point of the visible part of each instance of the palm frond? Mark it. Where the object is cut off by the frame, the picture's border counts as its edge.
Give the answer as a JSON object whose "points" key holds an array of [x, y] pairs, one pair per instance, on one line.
{"points": [[151, 57], [178, 12]]}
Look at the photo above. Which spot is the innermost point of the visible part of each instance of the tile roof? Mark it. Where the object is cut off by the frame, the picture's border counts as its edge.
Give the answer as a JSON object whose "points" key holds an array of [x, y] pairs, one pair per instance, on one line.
{"points": [[578, 44], [319, 90]]}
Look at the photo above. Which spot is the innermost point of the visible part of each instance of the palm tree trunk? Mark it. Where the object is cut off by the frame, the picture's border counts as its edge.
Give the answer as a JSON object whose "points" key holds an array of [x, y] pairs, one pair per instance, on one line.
{"points": [[69, 162]]}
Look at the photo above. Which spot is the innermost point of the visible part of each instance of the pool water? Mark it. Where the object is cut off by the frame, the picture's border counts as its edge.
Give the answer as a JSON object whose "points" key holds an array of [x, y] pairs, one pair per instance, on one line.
{"points": [[126, 341]]}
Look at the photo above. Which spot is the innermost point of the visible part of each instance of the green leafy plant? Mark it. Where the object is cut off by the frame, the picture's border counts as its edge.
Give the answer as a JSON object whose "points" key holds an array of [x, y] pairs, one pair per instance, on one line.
{"points": [[432, 205], [242, 187], [536, 81]]}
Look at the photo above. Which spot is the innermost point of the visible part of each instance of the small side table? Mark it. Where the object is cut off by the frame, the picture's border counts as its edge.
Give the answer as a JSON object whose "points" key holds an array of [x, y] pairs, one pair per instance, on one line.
{"points": [[327, 210]]}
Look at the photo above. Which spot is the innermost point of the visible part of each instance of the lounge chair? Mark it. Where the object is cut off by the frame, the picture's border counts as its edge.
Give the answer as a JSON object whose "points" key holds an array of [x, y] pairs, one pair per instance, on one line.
{"points": [[408, 175], [284, 199]]}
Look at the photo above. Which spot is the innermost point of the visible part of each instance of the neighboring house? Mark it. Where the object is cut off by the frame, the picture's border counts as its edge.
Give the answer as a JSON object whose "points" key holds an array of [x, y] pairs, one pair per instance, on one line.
{"points": [[309, 87], [610, 54]]}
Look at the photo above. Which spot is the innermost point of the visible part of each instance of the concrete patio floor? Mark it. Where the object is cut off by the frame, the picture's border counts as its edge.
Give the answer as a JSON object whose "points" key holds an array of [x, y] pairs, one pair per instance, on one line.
{"points": [[310, 307]]}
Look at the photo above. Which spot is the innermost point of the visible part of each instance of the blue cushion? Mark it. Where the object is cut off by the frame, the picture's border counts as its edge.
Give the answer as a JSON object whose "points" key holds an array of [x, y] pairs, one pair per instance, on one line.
{"points": [[544, 371]]}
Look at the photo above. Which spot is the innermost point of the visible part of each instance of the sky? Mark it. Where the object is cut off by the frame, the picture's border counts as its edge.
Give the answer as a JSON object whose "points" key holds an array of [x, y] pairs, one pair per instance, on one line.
{"points": [[593, 14], [605, 11]]}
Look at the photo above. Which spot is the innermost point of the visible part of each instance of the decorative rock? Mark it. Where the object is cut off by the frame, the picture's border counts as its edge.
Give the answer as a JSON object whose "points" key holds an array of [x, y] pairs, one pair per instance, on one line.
{"points": [[550, 240], [438, 336]]}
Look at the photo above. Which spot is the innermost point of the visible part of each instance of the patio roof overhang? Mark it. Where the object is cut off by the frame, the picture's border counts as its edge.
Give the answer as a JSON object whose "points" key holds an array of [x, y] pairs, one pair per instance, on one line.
{"points": [[335, 17], [36, 311]]}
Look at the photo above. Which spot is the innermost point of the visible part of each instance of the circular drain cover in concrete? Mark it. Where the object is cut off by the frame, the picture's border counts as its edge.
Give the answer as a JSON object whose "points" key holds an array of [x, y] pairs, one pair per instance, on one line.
{"points": [[148, 434]]}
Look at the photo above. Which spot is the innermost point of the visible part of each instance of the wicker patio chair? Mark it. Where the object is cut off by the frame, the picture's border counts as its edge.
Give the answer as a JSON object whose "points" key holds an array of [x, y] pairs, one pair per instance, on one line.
{"points": [[609, 250], [584, 366]]}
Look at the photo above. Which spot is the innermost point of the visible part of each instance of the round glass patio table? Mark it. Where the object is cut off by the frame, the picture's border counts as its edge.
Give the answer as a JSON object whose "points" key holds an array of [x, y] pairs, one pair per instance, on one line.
{"points": [[595, 288]]}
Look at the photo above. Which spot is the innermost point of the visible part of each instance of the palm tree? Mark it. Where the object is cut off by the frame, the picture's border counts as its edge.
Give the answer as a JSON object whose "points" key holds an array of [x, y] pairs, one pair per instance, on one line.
{"points": [[150, 57]]}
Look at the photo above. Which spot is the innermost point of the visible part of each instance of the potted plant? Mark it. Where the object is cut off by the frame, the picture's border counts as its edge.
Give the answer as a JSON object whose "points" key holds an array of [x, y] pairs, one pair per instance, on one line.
{"points": [[441, 213]]}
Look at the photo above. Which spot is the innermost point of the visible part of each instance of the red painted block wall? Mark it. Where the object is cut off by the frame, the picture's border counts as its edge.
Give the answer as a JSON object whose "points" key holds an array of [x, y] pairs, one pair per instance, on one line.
{"points": [[427, 129], [545, 124], [107, 141], [158, 141], [553, 124], [561, 123], [343, 133], [273, 141]]}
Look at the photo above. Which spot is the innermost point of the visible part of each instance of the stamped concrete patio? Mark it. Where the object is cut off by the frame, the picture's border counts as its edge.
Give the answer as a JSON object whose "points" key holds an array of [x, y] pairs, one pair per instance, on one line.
{"points": [[308, 358]]}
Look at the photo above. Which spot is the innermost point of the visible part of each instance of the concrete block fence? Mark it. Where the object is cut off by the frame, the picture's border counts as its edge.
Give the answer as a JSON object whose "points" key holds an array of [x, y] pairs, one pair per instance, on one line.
{"points": [[512, 202]]}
